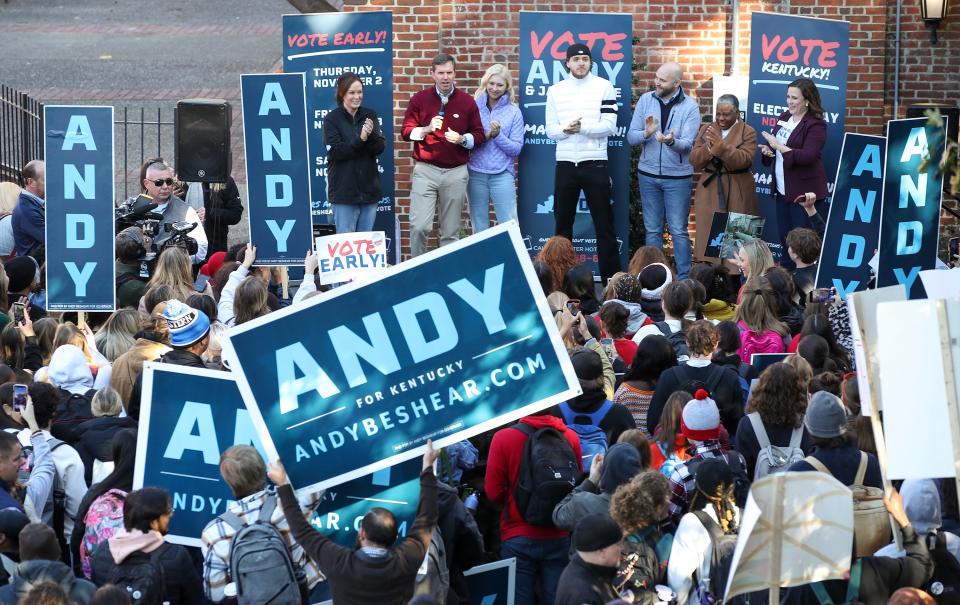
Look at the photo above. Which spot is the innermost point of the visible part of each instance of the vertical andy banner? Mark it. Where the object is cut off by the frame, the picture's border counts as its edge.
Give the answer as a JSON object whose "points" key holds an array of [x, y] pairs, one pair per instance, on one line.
{"points": [[189, 416], [445, 346], [784, 48], [853, 225], [544, 38], [78, 148], [278, 184], [910, 222], [322, 47]]}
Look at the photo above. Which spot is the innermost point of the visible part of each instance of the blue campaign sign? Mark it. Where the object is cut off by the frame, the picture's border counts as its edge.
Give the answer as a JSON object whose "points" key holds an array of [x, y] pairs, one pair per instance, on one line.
{"points": [[544, 38], [445, 346], [324, 46], [910, 221], [784, 48], [853, 225], [78, 151], [492, 583], [189, 416], [278, 182]]}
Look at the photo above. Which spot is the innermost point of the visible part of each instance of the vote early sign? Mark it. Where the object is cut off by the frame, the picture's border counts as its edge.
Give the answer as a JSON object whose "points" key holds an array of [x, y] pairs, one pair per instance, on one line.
{"points": [[278, 177], [79, 223], [443, 347], [189, 416]]}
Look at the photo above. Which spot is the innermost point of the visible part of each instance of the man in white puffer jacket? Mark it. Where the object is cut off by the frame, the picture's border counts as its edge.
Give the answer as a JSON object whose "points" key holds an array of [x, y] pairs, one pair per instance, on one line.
{"points": [[581, 113]]}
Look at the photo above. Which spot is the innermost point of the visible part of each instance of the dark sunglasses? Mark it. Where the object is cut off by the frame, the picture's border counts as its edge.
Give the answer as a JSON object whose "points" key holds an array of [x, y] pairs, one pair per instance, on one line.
{"points": [[161, 182]]}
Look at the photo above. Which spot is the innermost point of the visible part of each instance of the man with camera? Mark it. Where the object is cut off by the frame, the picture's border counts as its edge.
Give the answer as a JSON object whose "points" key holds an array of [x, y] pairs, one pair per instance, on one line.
{"points": [[131, 247], [158, 185]]}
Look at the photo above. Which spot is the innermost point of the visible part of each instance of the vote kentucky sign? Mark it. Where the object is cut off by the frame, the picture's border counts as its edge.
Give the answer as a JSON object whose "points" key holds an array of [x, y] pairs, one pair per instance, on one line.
{"points": [[444, 346]]}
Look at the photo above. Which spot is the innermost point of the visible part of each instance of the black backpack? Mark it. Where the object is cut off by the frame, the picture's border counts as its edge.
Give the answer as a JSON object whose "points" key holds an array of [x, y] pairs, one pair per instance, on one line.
{"points": [[72, 410], [549, 470], [944, 584], [691, 385], [678, 339], [142, 576], [713, 588]]}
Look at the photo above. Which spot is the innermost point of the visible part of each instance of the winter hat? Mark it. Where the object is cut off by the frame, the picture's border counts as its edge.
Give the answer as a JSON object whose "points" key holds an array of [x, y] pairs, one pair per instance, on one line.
{"points": [[12, 523], [578, 49], [596, 532], [653, 279], [714, 478], [921, 502], [213, 264], [620, 465], [586, 364], [628, 289], [700, 419], [21, 271], [187, 325], [68, 370], [826, 417]]}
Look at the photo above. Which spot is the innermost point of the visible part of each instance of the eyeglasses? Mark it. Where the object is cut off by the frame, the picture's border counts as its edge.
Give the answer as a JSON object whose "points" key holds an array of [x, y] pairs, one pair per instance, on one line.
{"points": [[161, 182]]}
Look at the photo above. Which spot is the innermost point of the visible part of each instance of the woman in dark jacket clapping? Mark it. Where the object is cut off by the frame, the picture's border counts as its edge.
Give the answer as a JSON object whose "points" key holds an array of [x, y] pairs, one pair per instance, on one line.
{"points": [[354, 138]]}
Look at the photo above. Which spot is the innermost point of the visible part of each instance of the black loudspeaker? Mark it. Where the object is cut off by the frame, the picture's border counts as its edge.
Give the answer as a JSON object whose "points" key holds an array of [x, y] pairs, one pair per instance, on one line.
{"points": [[202, 140], [952, 112]]}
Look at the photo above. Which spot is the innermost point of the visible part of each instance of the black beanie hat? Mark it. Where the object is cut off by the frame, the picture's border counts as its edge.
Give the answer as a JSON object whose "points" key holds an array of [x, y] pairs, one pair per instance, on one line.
{"points": [[20, 271], [714, 478], [596, 532], [587, 364]]}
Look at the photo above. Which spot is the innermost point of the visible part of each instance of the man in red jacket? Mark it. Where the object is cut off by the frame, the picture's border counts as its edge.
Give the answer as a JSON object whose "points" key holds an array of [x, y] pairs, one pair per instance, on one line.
{"points": [[444, 124], [541, 550]]}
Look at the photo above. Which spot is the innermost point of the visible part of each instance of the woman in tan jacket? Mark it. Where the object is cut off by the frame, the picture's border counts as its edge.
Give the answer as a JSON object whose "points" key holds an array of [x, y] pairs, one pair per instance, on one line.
{"points": [[723, 153]]}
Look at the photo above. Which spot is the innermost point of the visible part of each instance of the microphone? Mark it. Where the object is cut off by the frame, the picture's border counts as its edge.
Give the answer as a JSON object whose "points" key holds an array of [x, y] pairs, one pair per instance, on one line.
{"points": [[443, 105]]}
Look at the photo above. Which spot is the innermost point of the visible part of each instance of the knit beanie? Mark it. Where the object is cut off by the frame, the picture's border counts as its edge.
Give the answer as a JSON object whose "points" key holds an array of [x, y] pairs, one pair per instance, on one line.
{"points": [[826, 416], [213, 264], [21, 272], [620, 465], [700, 419], [586, 364], [12, 523], [578, 49], [628, 289], [714, 478], [653, 279], [187, 325], [596, 532]]}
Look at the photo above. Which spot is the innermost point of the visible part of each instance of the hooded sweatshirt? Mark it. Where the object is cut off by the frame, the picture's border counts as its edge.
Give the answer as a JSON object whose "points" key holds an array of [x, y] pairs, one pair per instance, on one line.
{"points": [[182, 583], [124, 543], [69, 370], [30, 573], [921, 502], [637, 317], [620, 464]]}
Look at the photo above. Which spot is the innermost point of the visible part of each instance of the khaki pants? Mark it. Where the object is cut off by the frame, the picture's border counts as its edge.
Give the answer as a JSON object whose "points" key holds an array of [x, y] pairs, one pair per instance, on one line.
{"points": [[429, 186]]}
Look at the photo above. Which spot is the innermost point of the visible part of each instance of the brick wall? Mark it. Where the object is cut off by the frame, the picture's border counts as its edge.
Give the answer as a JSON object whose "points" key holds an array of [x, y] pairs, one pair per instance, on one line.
{"points": [[696, 33]]}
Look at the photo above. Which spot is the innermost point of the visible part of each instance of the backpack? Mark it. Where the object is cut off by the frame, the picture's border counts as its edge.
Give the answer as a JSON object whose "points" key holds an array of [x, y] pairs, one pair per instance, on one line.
{"points": [[70, 413], [433, 577], [142, 576], [711, 589], [871, 522], [691, 385], [944, 584], [104, 519], [549, 470], [742, 372], [593, 440], [774, 458], [643, 562], [678, 339], [260, 563]]}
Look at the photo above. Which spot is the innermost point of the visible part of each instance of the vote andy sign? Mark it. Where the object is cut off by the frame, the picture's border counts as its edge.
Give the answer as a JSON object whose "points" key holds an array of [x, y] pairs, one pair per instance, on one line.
{"points": [[910, 222], [853, 225], [278, 177], [78, 148], [189, 416], [445, 346]]}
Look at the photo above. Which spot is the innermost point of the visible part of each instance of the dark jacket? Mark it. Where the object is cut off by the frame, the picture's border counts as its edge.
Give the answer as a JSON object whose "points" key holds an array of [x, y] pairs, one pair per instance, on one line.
{"points": [[72, 411], [352, 174], [131, 289], [182, 582], [355, 577], [95, 437], [461, 541], [803, 169], [843, 463], [223, 208], [881, 576], [34, 572], [29, 218], [583, 583], [617, 420], [749, 447], [727, 394]]}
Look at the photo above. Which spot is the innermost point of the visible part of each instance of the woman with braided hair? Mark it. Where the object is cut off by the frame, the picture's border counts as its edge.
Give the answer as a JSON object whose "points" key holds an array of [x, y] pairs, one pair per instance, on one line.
{"points": [[713, 511]]}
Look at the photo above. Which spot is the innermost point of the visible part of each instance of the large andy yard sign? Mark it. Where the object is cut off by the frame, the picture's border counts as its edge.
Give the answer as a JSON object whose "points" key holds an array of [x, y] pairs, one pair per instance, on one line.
{"points": [[445, 346]]}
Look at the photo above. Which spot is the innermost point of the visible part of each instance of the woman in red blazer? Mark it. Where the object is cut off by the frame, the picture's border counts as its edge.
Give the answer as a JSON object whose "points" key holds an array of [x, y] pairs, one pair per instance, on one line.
{"points": [[794, 147]]}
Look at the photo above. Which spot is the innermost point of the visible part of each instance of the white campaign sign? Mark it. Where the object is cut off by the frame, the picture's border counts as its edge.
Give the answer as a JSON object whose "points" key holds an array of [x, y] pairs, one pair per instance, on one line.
{"points": [[347, 256]]}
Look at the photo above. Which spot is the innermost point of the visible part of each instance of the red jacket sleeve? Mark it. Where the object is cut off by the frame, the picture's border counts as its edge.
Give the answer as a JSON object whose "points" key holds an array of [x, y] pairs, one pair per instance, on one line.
{"points": [[497, 478], [411, 118], [810, 147]]}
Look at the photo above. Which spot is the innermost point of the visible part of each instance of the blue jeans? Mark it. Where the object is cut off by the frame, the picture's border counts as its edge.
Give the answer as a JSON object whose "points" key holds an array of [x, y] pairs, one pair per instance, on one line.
{"points": [[501, 188], [670, 198], [350, 218], [541, 560]]}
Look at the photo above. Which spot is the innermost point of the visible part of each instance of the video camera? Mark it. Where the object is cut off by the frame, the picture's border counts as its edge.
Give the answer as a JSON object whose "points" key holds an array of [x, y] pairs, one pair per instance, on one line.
{"points": [[140, 213]]}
